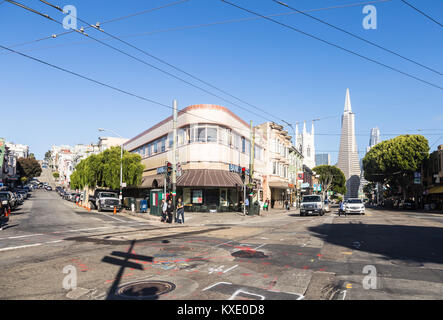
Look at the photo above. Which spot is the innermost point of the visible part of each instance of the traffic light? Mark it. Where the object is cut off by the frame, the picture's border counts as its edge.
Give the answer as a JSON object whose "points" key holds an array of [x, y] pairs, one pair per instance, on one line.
{"points": [[169, 168], [243, 174]]}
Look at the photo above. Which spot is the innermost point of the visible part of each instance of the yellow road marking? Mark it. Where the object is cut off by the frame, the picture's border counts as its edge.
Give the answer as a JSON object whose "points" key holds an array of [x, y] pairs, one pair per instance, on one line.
{"points": [[349, 286], [347, 252]]}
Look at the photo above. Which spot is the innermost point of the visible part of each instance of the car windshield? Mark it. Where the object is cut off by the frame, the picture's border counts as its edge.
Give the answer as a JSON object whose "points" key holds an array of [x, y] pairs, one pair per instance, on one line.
{"points": [[311, 199], [108, 195], [354, 201]]}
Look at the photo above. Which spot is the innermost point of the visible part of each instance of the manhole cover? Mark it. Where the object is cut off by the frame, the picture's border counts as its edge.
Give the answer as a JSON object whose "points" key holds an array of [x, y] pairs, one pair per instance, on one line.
{"points": [[249, 254], [144, 289]]}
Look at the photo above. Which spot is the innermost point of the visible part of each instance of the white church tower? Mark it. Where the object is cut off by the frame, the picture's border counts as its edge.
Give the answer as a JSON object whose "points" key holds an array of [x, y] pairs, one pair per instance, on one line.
{"points": [[305, 144]]}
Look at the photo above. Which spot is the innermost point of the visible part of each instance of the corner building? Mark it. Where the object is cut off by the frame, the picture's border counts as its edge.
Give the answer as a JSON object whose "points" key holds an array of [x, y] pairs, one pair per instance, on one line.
{"points": [[213, 144]]}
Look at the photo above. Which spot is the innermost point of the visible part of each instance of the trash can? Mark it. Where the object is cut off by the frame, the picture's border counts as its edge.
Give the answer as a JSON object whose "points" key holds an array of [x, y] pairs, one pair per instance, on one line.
{"points": [[127, 202], [156, 196], [138, 204], [254, 209]]}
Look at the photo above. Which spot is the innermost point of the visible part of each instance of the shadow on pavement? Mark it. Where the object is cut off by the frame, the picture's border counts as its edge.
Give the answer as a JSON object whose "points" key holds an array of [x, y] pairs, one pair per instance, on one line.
{"points": [[394, 242], [125, 263]]}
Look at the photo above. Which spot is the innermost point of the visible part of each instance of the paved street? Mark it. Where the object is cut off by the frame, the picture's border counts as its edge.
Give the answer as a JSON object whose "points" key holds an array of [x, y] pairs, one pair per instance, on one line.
{"points": [[277, 256]]}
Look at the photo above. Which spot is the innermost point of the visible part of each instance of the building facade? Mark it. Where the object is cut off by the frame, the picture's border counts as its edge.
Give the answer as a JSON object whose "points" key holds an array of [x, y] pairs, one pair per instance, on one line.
{"points": [[432, 179], [276, 180], [213, 144], [323, 159], [348, 160]]}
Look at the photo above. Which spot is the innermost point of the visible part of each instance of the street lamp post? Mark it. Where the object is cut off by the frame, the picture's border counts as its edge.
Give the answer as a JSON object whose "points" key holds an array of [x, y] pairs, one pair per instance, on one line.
{"points": [[121, 160]]}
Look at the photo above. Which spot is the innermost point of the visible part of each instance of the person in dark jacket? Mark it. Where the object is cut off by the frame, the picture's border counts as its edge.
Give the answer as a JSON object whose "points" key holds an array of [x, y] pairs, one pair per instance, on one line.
{"points": [[180, 212], [170, 210], [3, 215]]}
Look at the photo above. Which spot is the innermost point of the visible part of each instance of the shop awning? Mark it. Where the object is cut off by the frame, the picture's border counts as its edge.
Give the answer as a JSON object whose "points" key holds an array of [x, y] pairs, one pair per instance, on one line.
{"points": [[278, 184], [148, 182], [209, 178], [438, 189]]}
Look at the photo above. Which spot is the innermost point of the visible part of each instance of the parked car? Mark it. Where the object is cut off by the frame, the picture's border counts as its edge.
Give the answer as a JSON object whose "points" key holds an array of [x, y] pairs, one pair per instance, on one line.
{"points": [[105, 200], [407, 205], [354, 206], [312, 204], [11, 199], [4, 198], [49, 188]]}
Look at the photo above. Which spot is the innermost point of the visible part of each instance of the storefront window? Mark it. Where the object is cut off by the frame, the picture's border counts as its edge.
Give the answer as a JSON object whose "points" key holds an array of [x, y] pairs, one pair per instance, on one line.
{"points": [[197, 196]]}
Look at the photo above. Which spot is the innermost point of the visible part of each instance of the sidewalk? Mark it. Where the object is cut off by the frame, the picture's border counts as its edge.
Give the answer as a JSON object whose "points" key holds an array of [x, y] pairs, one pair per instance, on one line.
{"points": [[407, 211], [203, 218]]}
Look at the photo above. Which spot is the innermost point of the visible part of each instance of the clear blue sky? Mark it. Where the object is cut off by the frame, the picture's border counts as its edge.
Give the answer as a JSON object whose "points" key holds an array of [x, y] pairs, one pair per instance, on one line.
{"points": [[290, 75]]}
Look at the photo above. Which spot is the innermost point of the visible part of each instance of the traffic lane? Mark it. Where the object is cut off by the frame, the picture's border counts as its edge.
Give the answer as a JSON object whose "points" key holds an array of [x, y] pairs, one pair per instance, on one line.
{"points": [[200, 253]]}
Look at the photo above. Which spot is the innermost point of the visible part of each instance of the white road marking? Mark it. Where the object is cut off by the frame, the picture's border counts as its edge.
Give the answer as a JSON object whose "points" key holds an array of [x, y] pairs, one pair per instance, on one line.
{"points": [[25, 236], [245, 292], [116, 218], [88, 229], [260, 246], [215, 284], [223, 243], [230, 268], [20, 247]]}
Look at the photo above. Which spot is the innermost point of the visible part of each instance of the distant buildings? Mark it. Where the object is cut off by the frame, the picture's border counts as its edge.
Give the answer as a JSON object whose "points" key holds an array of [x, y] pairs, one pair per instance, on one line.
{"points": [[322, 159], [348, 160], [18, 150], [9, 155]]}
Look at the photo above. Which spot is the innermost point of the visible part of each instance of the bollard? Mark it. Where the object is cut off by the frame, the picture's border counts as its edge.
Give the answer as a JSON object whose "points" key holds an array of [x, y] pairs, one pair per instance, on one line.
{"points": [[115, 210]]}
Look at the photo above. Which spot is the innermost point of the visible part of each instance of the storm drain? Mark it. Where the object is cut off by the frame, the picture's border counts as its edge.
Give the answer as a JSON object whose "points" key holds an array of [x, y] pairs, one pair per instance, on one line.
{"points": [[248, 254], [144, 289]]}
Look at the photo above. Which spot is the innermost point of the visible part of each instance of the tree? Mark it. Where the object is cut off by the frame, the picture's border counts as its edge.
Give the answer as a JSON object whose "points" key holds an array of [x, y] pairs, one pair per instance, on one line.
{"points": [[103, 170], [394, 161], [48, 155], [331, 179], [28, 168], [56, 175]]}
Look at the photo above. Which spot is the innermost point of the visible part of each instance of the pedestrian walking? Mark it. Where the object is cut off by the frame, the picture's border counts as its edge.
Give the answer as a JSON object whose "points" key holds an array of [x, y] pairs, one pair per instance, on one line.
{"points": [[287, 205], [341, 209], [180, 212], [170, 211], [265, 206], [164, 207], [247, 205]]}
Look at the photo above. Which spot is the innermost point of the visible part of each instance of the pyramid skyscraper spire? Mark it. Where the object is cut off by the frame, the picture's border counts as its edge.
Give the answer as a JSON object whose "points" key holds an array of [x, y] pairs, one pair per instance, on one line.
{"points": [[348, 160]]}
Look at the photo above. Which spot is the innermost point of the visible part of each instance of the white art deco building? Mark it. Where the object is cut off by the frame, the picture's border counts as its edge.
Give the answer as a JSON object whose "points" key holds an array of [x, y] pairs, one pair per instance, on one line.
{"points": [[348, 160]]}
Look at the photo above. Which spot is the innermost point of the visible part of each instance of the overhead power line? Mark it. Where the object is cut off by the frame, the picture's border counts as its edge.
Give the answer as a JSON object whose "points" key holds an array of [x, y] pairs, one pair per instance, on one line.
{"points": [[108, 85], [58, 35], [142, 61], [357, 37], [335, 45], [421, 12], [54, 36]]}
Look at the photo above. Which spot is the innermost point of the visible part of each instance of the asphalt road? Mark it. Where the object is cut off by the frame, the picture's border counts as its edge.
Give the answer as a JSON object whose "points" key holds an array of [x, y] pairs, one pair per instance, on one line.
{"points": [[279, 256]]}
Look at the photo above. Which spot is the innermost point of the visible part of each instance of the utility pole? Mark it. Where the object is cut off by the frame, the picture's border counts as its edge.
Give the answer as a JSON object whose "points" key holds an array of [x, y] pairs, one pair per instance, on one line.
{"points": [[174, 157], [251, 157]]}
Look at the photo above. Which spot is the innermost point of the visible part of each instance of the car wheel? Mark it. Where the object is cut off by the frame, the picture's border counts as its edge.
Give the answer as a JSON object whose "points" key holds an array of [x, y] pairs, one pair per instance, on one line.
{"points": [[99, 208]]}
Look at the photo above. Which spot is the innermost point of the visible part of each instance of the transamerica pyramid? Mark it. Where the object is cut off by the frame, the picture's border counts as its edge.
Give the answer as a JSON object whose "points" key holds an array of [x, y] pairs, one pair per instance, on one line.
{"points": [[348, 160]]}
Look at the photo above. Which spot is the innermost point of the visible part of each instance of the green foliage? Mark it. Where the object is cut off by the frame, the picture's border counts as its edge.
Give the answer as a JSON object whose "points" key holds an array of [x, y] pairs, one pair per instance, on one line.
{"points": [[103, 170], [331, 178], [368, 189], [28, 168], [398, 156], [56, 175], [394, 161], [48, 154]]}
